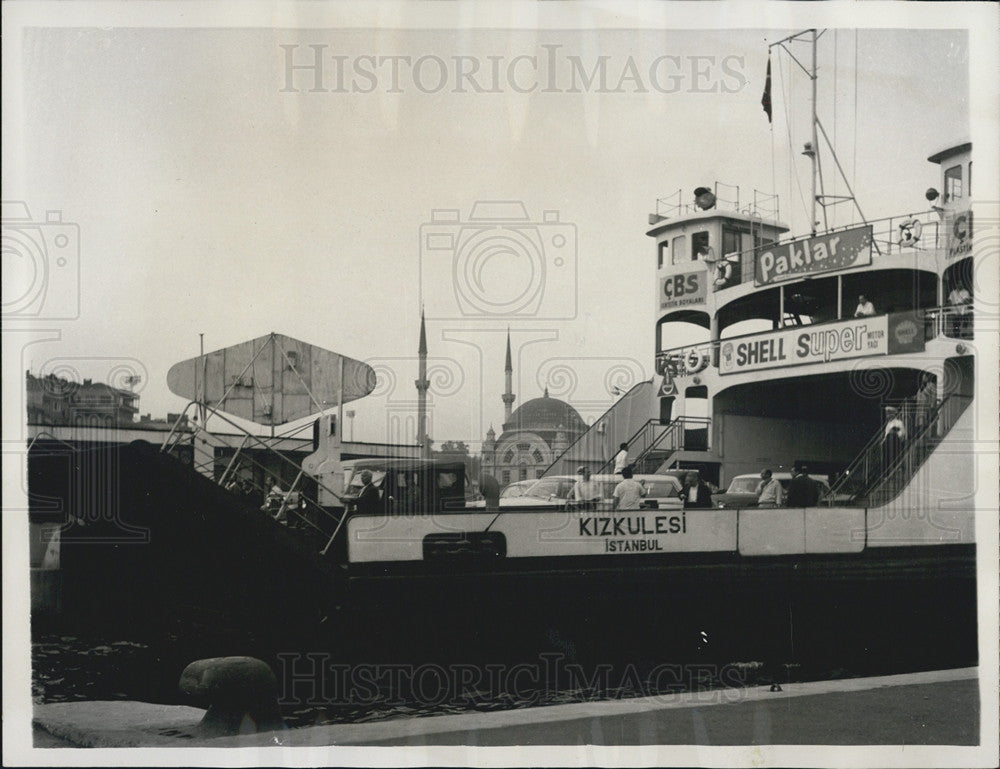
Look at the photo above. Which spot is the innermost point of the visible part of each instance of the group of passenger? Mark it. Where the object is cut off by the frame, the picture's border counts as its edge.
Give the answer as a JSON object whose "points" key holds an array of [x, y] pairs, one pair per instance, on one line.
{"points": [[959, 311], [802, 491]]}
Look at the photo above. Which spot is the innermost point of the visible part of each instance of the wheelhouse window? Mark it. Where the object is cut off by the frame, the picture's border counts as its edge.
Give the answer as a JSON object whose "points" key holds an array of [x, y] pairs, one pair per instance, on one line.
{"points": [[677, 248], [662, 255], [953, 183], [731, 248], [699, 245], [730, 241]]}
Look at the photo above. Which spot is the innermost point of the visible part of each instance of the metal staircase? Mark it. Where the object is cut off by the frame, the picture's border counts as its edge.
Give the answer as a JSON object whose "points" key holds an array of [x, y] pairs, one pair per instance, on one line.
{"points": [[601, 440], [655, 442], [295, 509], [875, 477]]}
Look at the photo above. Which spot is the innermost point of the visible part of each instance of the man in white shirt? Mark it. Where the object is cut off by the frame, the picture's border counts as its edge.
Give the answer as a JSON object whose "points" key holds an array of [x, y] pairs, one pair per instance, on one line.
{"points": [[893, 438], [961, 301], [585, 492], [865, 308], [621, 459], [629, 493], [769, 492]]}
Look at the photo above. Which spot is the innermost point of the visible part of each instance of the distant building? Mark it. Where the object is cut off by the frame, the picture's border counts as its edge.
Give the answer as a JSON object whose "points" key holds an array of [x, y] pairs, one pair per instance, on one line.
{"points": [[533, 437], [146, 422], [55, 401]]}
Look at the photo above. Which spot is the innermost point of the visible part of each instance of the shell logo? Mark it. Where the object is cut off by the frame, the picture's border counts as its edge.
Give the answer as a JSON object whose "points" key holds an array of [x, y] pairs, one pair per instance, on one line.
{"points": [[905, 332]]}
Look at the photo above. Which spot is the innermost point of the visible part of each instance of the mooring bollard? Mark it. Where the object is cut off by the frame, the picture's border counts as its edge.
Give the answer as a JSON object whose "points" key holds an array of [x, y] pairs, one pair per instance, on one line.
{"points": [[241, 694]]}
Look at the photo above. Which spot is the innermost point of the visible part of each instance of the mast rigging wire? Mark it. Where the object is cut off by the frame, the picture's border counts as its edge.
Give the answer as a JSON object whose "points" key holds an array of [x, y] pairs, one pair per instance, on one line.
{"points": [[791, 143]]}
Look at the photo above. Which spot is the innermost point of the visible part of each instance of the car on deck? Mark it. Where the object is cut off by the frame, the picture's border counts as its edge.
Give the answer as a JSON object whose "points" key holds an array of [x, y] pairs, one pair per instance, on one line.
{"points": [[742, 491], [661, 491], [517, 489]]}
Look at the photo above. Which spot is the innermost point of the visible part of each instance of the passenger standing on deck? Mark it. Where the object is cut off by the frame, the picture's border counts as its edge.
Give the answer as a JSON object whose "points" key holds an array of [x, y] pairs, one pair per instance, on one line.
{"points": [[585, 493], [621, 459], [961, 302], [864, 308], [629, 493], [769, 492], [694, 493], [273, 496], [803, 491], [893, 438], [926, 401], [369, 502]]}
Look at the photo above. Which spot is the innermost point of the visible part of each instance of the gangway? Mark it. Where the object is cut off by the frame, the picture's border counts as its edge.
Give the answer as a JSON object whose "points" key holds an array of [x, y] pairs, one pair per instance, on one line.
{"points": [[307, 504]]}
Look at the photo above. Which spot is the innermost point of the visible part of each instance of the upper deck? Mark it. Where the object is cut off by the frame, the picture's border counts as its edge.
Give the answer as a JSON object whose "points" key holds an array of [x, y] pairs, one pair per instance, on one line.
{"points": [[721, 265]]}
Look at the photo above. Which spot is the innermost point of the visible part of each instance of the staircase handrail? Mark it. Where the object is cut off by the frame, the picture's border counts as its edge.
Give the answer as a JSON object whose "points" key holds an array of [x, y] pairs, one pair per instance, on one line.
{"points": [[646, 427], [672, 428], [871, 455], [659, 431], [940, 419]]}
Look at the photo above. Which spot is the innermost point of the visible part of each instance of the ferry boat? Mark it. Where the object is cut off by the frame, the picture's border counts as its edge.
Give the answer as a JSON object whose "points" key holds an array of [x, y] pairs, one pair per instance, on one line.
{"points": [[857, 319]]}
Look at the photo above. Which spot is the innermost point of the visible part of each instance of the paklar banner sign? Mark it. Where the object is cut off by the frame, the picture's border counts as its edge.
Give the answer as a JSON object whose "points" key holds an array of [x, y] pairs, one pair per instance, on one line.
{"points": [[683, 289], [857, 338], [807, 256]]}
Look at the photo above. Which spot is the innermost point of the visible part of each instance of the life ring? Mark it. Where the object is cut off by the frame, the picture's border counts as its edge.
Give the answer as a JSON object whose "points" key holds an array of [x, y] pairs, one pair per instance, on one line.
{"points": [[910, 231], [723, 273], [695, 361]]}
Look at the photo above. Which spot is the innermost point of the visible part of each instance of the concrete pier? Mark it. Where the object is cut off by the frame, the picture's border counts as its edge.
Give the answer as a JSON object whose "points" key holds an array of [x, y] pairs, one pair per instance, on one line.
{"points": [[930, 708]]}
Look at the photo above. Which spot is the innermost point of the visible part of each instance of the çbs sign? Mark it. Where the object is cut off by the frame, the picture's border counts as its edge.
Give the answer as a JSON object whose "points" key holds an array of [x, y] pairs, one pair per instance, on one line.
{"points": [[856, 338], [683, 289], [821, 253]]}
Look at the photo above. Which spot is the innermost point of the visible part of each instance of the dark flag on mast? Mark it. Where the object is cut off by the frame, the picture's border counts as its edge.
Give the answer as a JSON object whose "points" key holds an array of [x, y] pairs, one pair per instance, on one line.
{"points": [[765, 100]]}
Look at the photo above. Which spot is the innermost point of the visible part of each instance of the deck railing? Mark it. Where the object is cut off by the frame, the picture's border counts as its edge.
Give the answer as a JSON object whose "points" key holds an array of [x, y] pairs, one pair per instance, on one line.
{"points": [[948, 321], [886, 236]]}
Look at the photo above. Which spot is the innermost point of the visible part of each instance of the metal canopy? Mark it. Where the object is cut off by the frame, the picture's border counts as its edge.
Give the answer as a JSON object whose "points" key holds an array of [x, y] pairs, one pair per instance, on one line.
{"points": [[272, 379]]}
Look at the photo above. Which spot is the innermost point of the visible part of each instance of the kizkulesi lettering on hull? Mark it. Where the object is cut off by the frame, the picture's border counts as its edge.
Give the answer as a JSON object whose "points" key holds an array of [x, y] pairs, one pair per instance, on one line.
{"points": [[543, 533], [806, 256], [856, 338]]}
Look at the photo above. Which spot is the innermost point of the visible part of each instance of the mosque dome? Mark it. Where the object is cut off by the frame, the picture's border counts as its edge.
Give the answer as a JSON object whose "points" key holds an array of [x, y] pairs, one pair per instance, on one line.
{"points": [[546, 413]]}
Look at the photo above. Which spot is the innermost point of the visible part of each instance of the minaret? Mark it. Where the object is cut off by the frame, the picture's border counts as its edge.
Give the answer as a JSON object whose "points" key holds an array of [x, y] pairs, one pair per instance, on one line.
{"points": [[508, 394], [422, 386]]}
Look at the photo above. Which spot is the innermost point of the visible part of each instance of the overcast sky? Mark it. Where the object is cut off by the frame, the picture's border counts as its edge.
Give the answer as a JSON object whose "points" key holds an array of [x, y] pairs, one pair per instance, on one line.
{"points": [[213, 198]]}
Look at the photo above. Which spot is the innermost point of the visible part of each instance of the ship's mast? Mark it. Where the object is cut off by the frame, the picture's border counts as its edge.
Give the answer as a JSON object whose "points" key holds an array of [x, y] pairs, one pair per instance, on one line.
{"points": [[812, 148], [814, 156]]}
